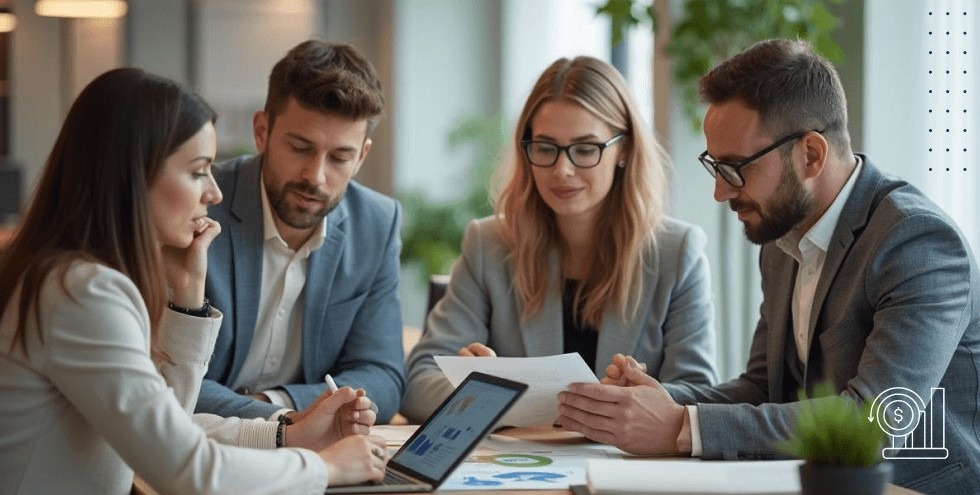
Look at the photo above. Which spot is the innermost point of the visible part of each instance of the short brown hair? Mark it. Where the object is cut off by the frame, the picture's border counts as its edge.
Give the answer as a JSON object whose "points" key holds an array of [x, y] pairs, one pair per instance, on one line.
{"points": [[791, 87], [331, 78]]}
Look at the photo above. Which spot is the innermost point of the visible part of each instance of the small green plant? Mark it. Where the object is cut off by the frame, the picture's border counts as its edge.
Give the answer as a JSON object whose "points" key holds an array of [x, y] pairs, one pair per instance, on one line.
{"points": [[834, 430]]}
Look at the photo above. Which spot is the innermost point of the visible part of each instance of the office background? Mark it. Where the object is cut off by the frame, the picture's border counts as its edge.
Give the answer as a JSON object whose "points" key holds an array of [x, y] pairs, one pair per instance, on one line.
{"points": [[443, 61]]}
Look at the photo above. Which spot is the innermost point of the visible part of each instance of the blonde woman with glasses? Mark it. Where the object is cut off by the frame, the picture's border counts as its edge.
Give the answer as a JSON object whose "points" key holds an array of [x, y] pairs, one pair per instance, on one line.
{"points": [[579, 255]]}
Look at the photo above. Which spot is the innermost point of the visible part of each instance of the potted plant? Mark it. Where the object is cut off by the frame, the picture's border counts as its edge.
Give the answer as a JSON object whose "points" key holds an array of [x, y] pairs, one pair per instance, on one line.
{"points": [[842, 449]]}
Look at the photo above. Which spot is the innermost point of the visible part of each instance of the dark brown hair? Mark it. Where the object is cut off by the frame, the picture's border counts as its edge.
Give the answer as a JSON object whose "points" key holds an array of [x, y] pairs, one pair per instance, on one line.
{"points": [[330, 78], [791, 87], [91, 200]]}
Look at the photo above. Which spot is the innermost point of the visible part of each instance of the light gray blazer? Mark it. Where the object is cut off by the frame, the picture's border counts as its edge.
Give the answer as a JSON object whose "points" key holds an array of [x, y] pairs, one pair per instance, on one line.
{"points": [[897, 305], [672, 332]]}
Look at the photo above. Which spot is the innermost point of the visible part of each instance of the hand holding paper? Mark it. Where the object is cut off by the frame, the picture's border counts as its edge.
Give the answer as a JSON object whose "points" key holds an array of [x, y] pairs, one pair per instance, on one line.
{"points": [[546, 377]]}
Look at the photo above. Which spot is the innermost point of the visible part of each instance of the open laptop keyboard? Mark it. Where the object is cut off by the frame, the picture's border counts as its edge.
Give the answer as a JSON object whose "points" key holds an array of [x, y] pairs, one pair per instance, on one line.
{"points": [[393, 478]]}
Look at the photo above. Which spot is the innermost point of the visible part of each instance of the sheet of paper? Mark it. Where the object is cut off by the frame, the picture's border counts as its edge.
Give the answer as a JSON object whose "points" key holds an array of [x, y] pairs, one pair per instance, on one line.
{"points": [[484, 477], [394, 435], [545, 376], [618, 477]]}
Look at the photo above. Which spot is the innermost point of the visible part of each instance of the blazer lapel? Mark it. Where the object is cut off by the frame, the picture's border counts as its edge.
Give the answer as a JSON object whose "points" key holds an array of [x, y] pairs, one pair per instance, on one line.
{"points": [[323, 263], [853, 217], [543, 332], [246, 251], [782, 272], [618, 336]]}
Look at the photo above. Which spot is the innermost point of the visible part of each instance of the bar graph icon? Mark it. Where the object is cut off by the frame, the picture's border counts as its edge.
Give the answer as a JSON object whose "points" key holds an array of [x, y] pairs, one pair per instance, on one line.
{"points": [[917, 429]]}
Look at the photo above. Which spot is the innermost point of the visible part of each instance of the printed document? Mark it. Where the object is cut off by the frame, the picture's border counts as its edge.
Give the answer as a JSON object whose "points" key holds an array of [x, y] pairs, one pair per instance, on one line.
{"points": [[545, 376]]}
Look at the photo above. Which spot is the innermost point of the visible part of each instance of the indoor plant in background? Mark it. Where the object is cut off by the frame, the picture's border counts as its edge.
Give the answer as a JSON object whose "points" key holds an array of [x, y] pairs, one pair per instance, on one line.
{"points": [[840, 447], [433, 231], [705, 32]]}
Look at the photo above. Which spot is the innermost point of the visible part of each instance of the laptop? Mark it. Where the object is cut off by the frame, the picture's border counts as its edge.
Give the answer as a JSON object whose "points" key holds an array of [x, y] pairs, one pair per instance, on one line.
{"points": [[431, 454]]}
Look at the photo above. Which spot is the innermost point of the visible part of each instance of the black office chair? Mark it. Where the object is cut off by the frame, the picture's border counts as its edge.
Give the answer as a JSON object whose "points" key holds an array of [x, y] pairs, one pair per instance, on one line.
{"points": [[437, 289]]}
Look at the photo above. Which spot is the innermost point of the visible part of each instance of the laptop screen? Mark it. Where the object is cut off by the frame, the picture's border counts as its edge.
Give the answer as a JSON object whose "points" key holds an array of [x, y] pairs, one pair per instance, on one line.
{"points": [[449, 435]]}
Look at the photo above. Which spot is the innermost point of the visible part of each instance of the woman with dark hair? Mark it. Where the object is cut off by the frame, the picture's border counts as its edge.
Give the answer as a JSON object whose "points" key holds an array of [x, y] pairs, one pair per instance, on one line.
{"points": [[580, 255], [105, 332]]}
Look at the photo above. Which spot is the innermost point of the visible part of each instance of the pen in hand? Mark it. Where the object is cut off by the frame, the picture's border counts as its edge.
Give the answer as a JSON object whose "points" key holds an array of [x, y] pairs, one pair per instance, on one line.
{"points": [[332, 387]]}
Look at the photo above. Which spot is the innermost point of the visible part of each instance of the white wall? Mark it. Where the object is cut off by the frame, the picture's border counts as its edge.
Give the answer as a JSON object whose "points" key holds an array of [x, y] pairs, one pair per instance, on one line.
{"points": [[51, 61], [897, 100], [239, 42], [446, 65]]}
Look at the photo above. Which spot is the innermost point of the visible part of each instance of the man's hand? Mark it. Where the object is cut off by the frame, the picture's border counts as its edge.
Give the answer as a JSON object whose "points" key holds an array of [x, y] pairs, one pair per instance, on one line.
{"points": [[331, 418], [640, 417], [477, 349]]}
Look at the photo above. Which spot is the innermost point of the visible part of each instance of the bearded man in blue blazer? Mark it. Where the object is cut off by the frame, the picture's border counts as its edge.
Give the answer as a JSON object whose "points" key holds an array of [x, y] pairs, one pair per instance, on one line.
{"points": [[307, 269], [867, 285]]}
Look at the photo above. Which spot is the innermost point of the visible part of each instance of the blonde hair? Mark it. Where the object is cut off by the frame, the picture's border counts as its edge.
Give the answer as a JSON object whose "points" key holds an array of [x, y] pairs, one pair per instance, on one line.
{"points": [[629, 215]]}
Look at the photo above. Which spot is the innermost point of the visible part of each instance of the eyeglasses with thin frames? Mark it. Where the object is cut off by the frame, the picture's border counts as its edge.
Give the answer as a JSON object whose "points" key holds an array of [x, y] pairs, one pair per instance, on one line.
{"points": [[731, 171], [582, 155]]}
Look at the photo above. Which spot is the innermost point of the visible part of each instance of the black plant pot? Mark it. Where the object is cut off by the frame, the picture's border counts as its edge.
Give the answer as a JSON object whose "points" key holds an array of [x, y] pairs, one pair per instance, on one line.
{"points": [[825, 479]]}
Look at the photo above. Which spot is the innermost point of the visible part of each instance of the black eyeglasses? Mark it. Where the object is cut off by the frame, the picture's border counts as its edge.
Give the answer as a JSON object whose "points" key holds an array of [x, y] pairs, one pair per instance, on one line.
{"points": [[731, 171], [582, 155]]}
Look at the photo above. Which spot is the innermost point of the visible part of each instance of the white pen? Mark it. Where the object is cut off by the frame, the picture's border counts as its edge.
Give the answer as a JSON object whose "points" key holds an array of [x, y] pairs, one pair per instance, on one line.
{"points": [[331, 385]]}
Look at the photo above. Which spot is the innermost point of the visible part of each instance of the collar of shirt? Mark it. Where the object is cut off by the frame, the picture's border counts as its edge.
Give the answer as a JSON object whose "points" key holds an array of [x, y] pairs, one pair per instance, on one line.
{"points": [[818, 237], [271, 232]]}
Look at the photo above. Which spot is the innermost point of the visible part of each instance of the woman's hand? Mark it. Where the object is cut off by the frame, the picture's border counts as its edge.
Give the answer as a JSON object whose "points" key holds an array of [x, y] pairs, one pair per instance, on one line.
{"points": [[477, 349], [616, 372], [187, 268], [356, 459], [330, 419]]}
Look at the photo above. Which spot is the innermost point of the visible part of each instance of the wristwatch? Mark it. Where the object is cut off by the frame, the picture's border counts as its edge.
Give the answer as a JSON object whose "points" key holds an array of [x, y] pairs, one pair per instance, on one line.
{"points": [[202, 312], [281, 430]]}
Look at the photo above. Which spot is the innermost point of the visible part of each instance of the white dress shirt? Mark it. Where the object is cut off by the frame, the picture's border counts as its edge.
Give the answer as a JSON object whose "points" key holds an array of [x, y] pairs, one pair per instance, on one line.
{"points": [[275, 357], [809, 250], [86, 405]]}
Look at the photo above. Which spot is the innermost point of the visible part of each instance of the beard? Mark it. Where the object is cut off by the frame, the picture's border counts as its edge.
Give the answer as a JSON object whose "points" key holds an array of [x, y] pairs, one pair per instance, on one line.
{"points": [[291, 213], [789, 205]]}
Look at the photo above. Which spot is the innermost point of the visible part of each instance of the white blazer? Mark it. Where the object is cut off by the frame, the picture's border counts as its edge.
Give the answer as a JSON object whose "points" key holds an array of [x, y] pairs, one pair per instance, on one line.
{"points": [[86, 405]]}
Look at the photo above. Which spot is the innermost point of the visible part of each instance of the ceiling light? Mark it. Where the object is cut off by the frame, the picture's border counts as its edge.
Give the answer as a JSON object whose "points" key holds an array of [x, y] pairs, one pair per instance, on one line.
{"points": [[81, 8], [8, 22]]}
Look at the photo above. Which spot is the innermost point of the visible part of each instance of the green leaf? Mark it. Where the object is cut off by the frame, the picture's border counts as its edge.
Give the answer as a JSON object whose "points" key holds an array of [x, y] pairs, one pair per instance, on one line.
{"points": [[833, 429], [706, 32], [620, 13]]}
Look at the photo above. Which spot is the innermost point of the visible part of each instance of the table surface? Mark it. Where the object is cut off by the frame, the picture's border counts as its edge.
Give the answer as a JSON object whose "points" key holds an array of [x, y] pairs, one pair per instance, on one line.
{"points": [[552, 437]]}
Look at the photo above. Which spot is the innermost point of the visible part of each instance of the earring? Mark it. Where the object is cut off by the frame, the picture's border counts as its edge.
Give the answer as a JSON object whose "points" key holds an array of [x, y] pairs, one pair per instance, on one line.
{"points": [[621, 164]]}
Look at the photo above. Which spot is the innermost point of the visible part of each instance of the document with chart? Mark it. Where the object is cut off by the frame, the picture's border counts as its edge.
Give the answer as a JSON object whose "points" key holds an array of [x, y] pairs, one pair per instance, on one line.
{"points": [[545, 376]]}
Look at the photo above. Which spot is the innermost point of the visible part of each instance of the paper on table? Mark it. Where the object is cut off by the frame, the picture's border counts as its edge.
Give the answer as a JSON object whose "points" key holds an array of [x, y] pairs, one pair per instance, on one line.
{"points": [[545, 376], [618, 477]]}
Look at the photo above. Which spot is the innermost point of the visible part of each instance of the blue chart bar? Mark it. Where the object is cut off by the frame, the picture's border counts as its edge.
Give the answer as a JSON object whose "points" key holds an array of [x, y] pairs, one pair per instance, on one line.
{"points": [[420, 445]]}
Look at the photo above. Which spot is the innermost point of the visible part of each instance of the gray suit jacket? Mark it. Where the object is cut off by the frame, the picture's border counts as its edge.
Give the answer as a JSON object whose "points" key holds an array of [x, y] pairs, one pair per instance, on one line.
{"points": [[352, 325], [897, 305], [672, 333]]}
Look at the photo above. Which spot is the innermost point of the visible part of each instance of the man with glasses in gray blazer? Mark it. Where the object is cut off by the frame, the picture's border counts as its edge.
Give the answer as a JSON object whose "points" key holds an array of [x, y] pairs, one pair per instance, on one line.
{"points": [[867, 284]]}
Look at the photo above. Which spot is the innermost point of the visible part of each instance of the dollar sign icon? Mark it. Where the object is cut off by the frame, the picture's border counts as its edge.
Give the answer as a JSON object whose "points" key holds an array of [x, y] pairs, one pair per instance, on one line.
{"points": [[898, 415]]}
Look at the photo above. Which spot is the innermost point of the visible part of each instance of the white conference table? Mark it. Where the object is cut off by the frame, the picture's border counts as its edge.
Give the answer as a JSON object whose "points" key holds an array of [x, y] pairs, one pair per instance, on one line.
{"points": [[548, 438]]}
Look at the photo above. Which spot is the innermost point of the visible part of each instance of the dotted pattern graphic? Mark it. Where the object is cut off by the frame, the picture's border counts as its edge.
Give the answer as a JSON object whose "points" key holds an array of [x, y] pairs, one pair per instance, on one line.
{"points": [[950, 96]]}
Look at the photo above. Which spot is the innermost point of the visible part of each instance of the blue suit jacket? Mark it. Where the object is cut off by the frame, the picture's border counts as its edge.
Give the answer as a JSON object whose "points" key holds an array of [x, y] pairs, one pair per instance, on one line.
{"points": [[897, 305], [352, 324], [672, 332]]}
